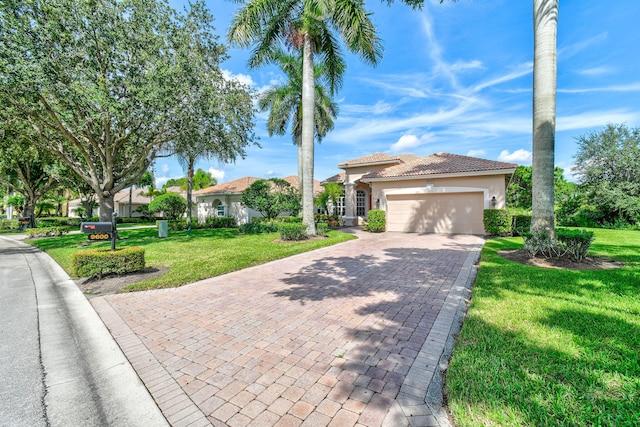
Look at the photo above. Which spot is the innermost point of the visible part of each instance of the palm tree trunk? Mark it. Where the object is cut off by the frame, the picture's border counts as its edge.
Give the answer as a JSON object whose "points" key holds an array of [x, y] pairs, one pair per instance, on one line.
{"points": [[307, 145], [545, 17]]}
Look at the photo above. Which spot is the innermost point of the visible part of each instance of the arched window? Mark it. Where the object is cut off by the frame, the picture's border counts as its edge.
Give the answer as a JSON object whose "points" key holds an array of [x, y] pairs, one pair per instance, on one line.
{"points": [[218, 208]]}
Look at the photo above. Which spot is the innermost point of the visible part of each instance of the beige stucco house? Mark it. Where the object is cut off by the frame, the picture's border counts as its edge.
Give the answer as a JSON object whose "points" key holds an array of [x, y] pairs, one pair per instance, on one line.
{"points": [[224, 199], [440, 193]]}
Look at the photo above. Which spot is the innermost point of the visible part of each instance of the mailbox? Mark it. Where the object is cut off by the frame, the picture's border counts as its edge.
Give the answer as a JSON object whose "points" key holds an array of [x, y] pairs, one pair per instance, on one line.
{"points": [[96, 227]]}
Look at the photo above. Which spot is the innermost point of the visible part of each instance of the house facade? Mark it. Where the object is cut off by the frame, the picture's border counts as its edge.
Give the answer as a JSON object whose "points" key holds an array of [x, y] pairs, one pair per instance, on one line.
{"points": [[225, 199], [440, 193]]}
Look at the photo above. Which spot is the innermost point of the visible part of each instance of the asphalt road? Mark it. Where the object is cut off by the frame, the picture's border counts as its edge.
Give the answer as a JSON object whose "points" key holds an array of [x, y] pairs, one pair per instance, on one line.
{"points": [[59, 365], [22, 385]]}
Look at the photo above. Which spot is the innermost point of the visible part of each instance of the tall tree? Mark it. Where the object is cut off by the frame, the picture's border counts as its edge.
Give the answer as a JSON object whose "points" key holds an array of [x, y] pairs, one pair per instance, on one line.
{"points": [[310, 27], [284, 102], [26, 170], [212, 115], [608, 168], [545, 27], [101, 83]]}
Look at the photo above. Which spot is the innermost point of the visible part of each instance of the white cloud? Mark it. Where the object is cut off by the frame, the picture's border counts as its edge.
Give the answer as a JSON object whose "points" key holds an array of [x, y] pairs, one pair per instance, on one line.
{"points": [[570, 50], [242, 78], [631, 87], [410, 142], [476, 153], [521, 70], [161, 180], [164, 168], [595, 119], [596, 71], [518, 156], [216, 173]]}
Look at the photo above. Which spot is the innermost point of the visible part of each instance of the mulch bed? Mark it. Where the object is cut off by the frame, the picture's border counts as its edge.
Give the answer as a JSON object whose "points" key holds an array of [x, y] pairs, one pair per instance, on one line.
{"points": [[590, 263], [113, 283]]}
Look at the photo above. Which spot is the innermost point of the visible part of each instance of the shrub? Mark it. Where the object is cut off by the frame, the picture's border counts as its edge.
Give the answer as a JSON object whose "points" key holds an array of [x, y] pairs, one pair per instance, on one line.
{"points": [[332, 221], [541, 243], [9, 224], [130, 220], [576, 243], [220, 222], [292, 231], [277, 220], [376, 221], [497, 222], [520, 224], [98, 262], [172, 205], [258, 228], [321, 229], [47, 231]]}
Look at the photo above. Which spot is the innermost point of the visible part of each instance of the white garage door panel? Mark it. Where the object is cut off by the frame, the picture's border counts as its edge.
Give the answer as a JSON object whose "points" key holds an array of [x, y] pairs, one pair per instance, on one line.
{"points": [[436, 213]]}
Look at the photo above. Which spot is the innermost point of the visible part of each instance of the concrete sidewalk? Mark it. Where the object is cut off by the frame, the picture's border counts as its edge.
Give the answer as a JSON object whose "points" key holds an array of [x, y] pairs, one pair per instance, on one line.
{"points": [[79, 376], [356, 334]]}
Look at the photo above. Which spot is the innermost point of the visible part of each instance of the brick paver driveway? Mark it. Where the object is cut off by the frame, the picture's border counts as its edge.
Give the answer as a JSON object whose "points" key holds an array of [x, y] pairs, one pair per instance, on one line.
{"points": [[341, 336]]}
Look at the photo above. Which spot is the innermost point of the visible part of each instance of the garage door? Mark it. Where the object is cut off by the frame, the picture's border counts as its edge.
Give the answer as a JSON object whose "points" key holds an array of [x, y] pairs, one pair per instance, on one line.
{"points": [[436, 213]]}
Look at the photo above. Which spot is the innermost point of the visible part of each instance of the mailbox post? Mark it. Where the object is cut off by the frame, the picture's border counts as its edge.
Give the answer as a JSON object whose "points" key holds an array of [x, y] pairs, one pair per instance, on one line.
{"points": [[101, 231], [114, 234]]}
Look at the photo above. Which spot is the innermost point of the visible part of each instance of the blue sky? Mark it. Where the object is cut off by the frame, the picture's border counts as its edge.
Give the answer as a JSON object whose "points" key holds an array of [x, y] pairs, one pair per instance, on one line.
{"points": [[455, 77]]}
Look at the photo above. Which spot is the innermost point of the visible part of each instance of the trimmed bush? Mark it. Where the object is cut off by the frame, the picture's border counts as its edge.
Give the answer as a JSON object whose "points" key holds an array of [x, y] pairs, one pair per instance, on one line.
{"points": [[277, 220], [576, 243], [98, 262], [292, 231], [172, 205], [520, 224], [376, 221], [47, 231], [258, 228], [321, 229], [9, 224], [220, 222], [541, 243], [497, 222]]}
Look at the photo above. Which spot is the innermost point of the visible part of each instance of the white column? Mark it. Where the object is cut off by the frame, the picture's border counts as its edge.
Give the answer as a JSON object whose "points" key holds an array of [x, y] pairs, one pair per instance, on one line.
{"points": [[350, 218]]}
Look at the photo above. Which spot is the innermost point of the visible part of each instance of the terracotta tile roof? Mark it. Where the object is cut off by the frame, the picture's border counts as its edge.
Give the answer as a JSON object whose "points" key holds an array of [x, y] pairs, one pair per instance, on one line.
{"points": [[375, 158], [237, 186], [339, 178], [138, 196], [440, 163]]}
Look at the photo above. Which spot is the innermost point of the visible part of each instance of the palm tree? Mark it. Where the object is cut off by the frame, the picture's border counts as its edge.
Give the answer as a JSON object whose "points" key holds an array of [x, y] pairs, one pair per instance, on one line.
{"points": [[285, 104], [545, 19], [310, 27]]}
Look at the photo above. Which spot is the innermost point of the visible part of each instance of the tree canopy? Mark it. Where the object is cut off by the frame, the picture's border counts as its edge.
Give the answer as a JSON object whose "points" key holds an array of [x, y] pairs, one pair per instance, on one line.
{"points": [[271, 197], [608, 169], [104, 84]]}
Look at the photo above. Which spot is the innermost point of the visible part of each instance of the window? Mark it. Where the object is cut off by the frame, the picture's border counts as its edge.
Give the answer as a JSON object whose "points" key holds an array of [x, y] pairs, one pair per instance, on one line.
{"points": [[340, 209], [360, 203], [220, 210]]}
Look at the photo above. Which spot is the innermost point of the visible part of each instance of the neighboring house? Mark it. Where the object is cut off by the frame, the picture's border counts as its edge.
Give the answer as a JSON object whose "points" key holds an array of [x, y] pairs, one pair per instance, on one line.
{"points": [[440, 193], [224, 199], [121, 205]]}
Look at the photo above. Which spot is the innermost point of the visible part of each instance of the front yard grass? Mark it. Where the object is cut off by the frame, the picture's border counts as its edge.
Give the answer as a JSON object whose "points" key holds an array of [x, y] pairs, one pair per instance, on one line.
{"points": [[543, 347], [206, 253]]}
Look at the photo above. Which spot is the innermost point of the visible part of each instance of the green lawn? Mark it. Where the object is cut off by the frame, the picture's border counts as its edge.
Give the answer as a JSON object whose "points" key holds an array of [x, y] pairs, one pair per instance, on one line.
{"points": [[544, 347], [205, 253]]}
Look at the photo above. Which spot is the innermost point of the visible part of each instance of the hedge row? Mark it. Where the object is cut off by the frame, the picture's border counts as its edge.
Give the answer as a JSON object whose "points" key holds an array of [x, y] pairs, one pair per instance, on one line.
{"points": [[498, 222], [47, 231], [98, 262]]}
